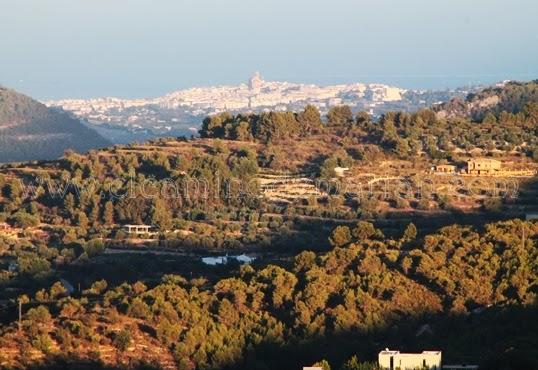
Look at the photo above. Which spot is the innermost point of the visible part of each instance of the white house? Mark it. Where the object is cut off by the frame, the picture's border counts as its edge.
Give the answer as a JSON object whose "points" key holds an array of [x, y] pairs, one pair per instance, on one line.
{"points": [[137, 229], [392, 360]]}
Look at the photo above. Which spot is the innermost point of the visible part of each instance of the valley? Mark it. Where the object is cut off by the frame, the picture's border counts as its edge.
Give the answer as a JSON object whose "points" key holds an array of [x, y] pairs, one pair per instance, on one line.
{"points": [[352, 230]]}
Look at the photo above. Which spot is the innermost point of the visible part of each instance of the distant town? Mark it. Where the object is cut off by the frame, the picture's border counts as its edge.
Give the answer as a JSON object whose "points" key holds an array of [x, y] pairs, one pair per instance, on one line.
{"points": [[180, 112]]}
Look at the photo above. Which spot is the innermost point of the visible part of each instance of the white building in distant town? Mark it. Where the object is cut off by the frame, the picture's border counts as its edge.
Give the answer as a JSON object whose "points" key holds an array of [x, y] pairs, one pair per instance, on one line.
{"points": [[255, 83], [392, 360]]}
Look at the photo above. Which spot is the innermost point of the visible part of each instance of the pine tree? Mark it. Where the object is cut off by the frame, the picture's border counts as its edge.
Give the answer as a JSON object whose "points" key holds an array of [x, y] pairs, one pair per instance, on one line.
{"points": [[310, 120], [94, 210], [108, 214], [161, 217], [69, 203], [81, 220], [410, 232]]}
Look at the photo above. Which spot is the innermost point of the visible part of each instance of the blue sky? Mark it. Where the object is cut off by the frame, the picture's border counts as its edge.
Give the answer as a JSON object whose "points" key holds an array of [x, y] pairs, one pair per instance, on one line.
{"points": [[141, 48]]}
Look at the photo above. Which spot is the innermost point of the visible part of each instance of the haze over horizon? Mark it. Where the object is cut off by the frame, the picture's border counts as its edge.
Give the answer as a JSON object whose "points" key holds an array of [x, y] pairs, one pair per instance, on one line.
{"points": [[63, 49]]}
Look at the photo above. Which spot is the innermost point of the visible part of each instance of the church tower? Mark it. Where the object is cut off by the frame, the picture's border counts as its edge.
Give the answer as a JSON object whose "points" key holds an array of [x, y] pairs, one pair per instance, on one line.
{"points": [[255, 83]]}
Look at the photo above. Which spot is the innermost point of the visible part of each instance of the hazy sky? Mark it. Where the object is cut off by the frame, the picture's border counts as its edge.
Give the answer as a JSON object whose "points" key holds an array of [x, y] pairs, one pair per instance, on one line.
{"points": [[143, 48]]}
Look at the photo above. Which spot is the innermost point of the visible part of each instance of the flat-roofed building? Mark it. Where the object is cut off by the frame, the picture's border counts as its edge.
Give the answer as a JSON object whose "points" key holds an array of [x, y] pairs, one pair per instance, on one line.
{"points": [[137, 229], [392, 360]]}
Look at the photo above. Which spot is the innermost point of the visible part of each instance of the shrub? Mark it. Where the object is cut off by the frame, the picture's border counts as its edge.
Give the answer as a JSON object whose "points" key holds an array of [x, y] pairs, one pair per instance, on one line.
{"points": [[423, 204], [94, 247], [42, 343], [24, 220], [493, 204], [122, 340], [340, 236]]}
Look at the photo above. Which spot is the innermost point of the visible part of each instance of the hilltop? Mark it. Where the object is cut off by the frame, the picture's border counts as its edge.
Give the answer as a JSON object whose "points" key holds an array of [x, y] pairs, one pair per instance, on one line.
{"points": [[31, 131], [510, 96]]}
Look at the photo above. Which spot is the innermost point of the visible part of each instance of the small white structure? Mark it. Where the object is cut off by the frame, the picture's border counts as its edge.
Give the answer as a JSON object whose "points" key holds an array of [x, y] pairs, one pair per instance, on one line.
{"points": [[213, 261], [137, 229], [223, 260], [245, 259], [392, 360], [340, 171]]}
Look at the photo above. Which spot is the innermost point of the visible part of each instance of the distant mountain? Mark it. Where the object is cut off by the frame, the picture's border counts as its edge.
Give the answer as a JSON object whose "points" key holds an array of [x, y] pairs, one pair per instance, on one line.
{"points": [[509, 96], [31, 131], [181, 112]]}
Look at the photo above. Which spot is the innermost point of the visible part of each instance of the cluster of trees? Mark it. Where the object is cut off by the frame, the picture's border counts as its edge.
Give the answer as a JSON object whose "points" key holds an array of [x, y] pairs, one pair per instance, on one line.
{"points": [[98, 190], [399, 133], [369, 292], [513, 97], [266, 127], [274, 126], [511, 123], [340, 159], [407, 134], [85, 197]]}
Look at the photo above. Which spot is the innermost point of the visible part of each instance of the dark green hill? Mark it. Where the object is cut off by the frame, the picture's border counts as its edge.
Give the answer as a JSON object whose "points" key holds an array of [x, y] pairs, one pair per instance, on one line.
{"points": [[31, 131]]}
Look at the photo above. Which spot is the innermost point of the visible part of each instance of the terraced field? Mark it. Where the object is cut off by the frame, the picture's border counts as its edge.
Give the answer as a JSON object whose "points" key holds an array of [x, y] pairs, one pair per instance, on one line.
{"points": [[285, 188]]}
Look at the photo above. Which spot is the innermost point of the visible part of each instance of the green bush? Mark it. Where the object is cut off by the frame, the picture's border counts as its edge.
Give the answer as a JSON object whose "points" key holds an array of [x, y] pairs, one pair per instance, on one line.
{"points": [[122, 340], [24, 220]]}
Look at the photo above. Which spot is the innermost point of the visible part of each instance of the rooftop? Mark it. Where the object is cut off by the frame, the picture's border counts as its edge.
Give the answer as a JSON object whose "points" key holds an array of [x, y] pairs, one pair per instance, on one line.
{"points": [[395, 352], [491, 160]]}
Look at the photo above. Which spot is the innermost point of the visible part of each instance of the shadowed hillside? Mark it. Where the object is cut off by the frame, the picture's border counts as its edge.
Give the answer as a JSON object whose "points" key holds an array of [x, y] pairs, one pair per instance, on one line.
{"points": [[31, 131]]}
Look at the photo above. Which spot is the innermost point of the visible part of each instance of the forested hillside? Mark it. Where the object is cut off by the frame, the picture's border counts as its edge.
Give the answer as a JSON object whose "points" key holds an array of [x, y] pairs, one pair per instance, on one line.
{"points": [[511, 97], [467, 287], [352, 242], [31, 131], [508, 123]]}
